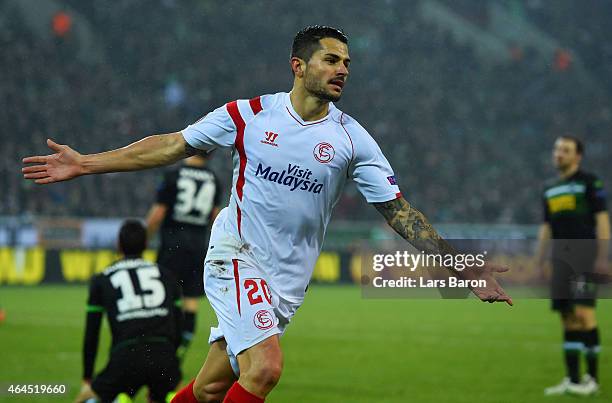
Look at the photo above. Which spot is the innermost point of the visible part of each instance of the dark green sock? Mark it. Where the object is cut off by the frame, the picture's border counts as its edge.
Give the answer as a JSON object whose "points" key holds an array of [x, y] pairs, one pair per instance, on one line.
{"points": [[572, 346], [591, 351], [189, 321]]}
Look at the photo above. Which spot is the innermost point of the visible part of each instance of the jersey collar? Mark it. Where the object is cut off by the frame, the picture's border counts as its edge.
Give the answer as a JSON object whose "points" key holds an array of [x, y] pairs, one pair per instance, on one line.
{"points": [[299, 119]]}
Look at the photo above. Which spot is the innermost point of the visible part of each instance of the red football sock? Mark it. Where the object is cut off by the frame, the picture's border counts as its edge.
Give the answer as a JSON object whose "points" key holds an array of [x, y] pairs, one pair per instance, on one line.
{"points": [[238, 394], [185, 395]]}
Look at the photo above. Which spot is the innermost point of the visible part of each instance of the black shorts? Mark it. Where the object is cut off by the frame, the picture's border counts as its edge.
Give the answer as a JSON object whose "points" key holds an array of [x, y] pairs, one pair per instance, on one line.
{"points": [[572, 281], [183, 254], [153, 365]]}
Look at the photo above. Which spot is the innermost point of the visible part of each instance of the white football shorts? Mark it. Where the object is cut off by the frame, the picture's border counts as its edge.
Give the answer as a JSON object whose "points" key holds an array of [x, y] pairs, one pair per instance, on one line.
{"points": [[247, 309]]}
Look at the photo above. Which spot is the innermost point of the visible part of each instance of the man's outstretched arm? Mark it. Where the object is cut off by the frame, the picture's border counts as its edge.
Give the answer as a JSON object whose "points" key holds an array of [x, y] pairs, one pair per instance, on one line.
{"points": [[66, 163], [414, 227]]}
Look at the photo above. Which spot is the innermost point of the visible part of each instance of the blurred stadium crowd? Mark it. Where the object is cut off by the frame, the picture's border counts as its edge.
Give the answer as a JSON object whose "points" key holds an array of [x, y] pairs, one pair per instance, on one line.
{"points": [[469, 138]]}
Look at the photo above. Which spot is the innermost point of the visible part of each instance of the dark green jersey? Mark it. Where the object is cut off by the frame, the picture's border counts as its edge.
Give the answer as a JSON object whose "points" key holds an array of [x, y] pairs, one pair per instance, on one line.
{"points": [[138, 297], [190, 193], [141, 302], [570, 205]]}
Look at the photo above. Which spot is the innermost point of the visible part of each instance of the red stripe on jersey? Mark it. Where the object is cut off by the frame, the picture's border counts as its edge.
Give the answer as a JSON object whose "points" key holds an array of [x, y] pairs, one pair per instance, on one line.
{"points": [[234, 112], [398, 195], [256, 105], [237, 280], [232, 109]]}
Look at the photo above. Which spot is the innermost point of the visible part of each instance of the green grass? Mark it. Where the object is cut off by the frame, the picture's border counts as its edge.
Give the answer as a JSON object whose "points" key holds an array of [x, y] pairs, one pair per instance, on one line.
{"points": [[339, 348]]}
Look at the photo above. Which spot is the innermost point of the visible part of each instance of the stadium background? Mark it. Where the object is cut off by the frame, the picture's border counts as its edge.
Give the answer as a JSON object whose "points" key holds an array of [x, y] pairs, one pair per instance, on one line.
{"points": [[464, 97]]}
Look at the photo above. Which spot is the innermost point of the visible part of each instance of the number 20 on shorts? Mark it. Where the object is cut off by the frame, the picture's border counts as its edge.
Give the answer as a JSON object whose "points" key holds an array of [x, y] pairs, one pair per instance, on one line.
{"points": [[256, 287]]}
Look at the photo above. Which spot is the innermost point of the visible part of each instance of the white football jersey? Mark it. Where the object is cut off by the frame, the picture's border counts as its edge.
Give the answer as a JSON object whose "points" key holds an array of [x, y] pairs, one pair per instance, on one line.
{"points": [[288, 176]]}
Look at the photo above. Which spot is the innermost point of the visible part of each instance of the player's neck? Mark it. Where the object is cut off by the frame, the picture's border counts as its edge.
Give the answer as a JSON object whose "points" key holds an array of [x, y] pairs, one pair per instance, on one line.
{"points": [[307, 106], [569, 172]]}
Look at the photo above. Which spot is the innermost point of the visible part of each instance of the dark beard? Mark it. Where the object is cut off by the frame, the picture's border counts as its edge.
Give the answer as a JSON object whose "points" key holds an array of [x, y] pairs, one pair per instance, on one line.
{"points": [[320, 92]]}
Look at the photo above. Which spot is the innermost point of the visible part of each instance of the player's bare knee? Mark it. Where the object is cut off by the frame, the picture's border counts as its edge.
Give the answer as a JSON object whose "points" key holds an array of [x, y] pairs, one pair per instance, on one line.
{"points": [[590, 323], [571, 321], [266, 376], [190, 304], [586, 319], [212, 392], [198, 392]]}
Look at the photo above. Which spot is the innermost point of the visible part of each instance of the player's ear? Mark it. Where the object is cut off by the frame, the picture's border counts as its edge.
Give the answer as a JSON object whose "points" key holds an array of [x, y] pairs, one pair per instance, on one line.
{"points": [[297, 66]]}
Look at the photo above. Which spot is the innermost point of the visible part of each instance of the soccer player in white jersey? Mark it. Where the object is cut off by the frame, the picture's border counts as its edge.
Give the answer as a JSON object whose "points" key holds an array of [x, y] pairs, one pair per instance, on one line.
{"points": [[292, 154]]}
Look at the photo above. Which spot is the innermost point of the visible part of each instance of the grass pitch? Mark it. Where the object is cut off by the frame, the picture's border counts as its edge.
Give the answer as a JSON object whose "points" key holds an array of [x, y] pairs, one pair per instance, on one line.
{"points": [[339, 348]]}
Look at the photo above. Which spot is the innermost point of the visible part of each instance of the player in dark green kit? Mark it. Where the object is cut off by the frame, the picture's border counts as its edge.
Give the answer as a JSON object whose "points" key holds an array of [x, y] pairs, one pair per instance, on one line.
{"points": [[142, 304], [188, 201], [575, 217]]}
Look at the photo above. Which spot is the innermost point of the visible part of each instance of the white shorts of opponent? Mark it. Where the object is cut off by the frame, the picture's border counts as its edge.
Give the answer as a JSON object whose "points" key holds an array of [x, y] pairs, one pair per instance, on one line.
{"points": [[247, 310]]}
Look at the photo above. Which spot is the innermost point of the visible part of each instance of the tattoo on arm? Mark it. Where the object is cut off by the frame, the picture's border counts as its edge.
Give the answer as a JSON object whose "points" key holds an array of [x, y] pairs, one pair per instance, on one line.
{"points": [[413, 226]]}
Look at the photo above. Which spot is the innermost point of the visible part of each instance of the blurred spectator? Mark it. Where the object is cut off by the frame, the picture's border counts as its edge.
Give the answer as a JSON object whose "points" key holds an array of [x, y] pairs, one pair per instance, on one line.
{"points": [[468, 139], [563, 60], [174, 93], [61, 23]]}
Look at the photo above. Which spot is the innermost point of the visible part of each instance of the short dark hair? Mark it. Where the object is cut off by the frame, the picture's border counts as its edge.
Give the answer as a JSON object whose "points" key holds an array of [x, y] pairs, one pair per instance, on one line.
{"points": [[577, 141], [132, 237], [306, 42]]}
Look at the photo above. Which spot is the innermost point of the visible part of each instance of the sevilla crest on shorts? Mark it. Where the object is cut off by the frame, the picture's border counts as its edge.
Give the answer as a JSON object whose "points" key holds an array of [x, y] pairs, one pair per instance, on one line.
{"points": [[263, 319]]}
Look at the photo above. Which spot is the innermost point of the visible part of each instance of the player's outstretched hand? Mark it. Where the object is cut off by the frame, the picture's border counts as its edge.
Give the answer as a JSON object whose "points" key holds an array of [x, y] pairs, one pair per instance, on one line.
{"points": [[65, 164], [493, 292]]}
